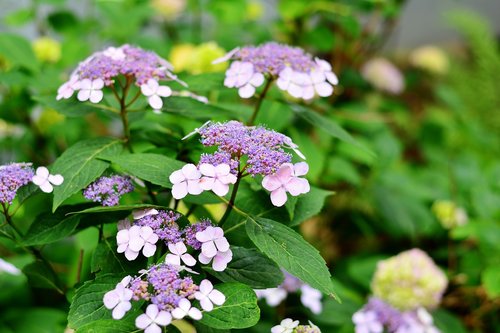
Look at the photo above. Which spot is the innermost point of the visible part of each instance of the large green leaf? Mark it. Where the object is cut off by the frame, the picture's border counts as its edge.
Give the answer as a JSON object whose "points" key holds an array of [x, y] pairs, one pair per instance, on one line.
{"points": [[87, 305], [191, 108], [105, 259], [251, 268], [48, 228], [80, 166], [121, 208], [309, 205], [153, 168], [289, 250], [17, 51], [109, 326], [41, 275], [240, 310]]}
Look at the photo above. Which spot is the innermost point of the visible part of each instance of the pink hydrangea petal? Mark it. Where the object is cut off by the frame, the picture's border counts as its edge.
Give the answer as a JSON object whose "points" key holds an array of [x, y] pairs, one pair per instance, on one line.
{"points": [[42, 172], [180, 248], [37, 180], [295, 186], [131, 255], [230, 81], [204, 236], [120, 310], [295, 90], [83, 95], [188, 259], [308, 92], [257, 79], [46, 187], [217, 297], [193, 187], [246, 91], [155, 102], [332, 78], [164, 91], [185, 304], [323, 89], [96, 96], [195, 314], [153, 328], [148, 250], [152, 311], [179, 190], [206, 304], [178, 313], [176, 177], [56, 179], [278, 197], [208, 249], [122, 237], [219, 188], [204, 259], [111, 299], [300, 169], [153, 85], [222, 244], [136, 243], [191, 172], [220, 262], [206, 287], [146, 232], [285, 172], [173, 259], [97, 84], [146, 90], [85, 84], [221, 170], [228, 179], [164, 318], [206, 183], [217, 232], [122, 248], [207, 170]]}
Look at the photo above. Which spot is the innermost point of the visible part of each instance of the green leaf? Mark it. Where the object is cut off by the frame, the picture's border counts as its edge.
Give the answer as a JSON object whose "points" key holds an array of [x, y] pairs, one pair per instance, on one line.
{"points": [[48, 228], [326, 124], [80, 165], [240, 310], [18, 51], [200, 328], [251, 268], [108, 326], [41, 275], [205, 81], [87, 306], [20, 17], [68, 107], [309, 205], [289, 250], [191, 108], [491, 280], [153, 168]]}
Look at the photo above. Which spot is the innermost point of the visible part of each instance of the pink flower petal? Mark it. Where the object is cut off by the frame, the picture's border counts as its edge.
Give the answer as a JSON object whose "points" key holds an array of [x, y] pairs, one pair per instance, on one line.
{"points": [[246, 91], [83, 95], [56, 179], [257, 79], [193, 187], [131, 255], [191, 172], [208, 249], [206, 304], [278, 197], [206, 183], [217, 297], [97, 84], [176, 177], [323, 89], [204, 259], [164, 318], [221, 170], [152, 311], [136, 243], [164, 91], [155, 102], [271, 182], [96, 96], [203, 236], [222, 244], [85, 84], [173, 259], [285, 172], [188, 259], [300, 169], [148, 250], [179, 190], [120, 310], [195, 314], [207, 170], [219, 188], [206, 287], [111, 299], [46, 187]]}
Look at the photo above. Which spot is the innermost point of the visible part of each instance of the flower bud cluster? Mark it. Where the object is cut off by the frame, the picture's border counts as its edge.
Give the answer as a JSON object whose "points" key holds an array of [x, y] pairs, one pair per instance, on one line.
{"points": [[409, 280], [108, 190]]}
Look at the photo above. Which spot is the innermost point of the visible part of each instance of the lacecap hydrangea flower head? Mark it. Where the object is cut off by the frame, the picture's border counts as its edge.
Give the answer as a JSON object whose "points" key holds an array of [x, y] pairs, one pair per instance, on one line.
{"points": [[145, 69], [294, 70], [409, 280]]}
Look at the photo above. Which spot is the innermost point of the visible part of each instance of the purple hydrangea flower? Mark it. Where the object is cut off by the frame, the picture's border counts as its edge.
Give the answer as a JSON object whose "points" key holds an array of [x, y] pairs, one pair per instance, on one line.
{"points": [[296, 71], [108, 190], [164, 225], [12, 177], [262, 147]]}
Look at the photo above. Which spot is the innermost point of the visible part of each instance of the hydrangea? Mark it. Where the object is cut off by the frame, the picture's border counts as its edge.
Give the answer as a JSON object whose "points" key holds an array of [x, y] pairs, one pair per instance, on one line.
{"points": [[409, 280], [164, 225], [143, 68], [383, 75], [288, 325], [286, 179], [12, 177], [191, 231], [296, 71], [108, 190], [45, 180], [378, 316], [310, 297], [132, 241]]}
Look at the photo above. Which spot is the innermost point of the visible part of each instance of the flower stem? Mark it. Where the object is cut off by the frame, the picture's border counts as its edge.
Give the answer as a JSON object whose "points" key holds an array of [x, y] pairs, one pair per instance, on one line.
{"points": [[259, 102], [230, 204]]}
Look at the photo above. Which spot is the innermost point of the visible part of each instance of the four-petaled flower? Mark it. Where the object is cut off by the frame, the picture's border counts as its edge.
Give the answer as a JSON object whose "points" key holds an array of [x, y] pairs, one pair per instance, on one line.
{"points": [[153, 91], [216, 178], [178, 253], [185, 180], [184, 309], [45, 180], [286, 326], [208, 296], [220, 260], [286, 179], [91, 90], [118, 299], [242, 75], [151, 321], [213, 241], [132, 240]]}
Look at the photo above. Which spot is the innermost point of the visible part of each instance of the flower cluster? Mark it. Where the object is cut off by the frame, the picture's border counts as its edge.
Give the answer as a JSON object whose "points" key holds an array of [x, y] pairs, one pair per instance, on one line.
{"points": [[170, 293], [377, 315], [261, 149], [144, 68], [409, 280], [108, 190], [288, 325], [449, 214], [310, 297], [295, 71], [12, 177], [154, 226]]}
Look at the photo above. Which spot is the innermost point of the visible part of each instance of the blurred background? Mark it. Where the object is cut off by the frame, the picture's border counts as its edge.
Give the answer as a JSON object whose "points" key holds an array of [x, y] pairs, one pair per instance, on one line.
{"points": [[418, 99]]}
